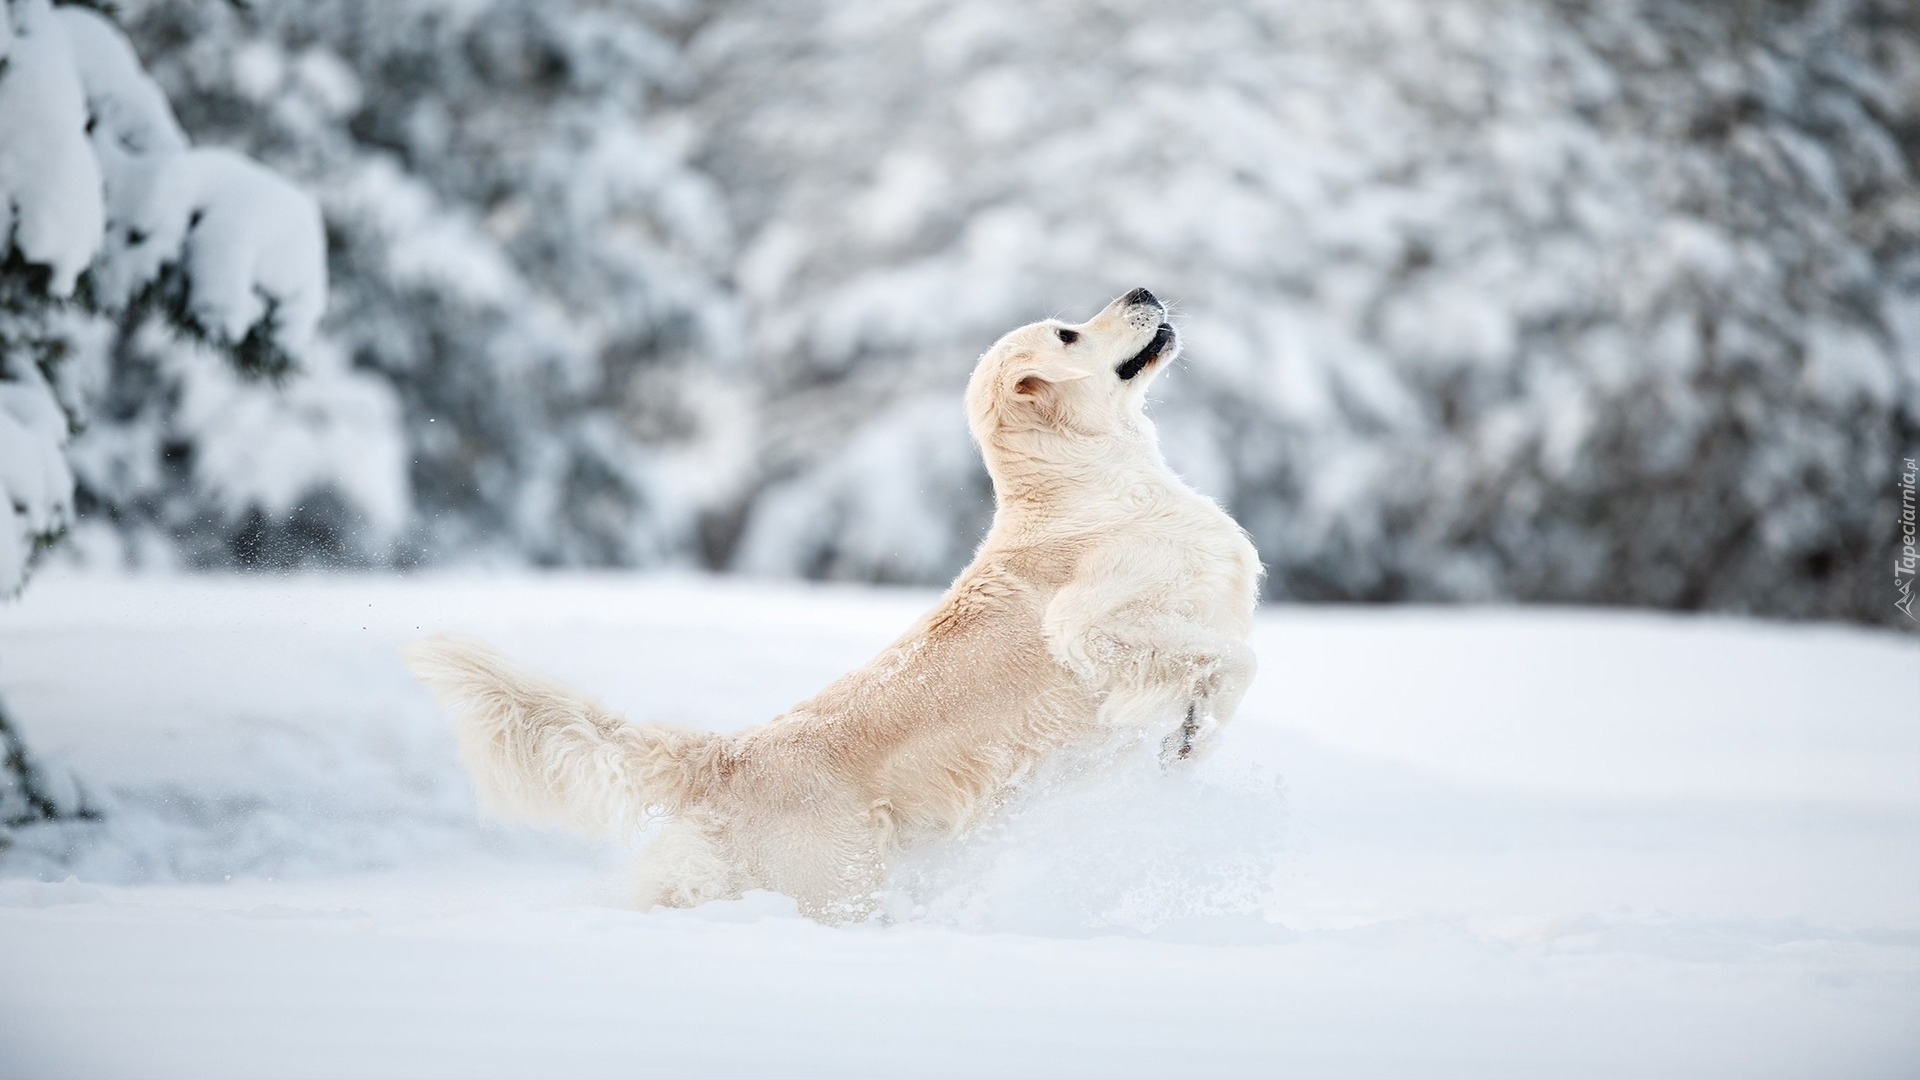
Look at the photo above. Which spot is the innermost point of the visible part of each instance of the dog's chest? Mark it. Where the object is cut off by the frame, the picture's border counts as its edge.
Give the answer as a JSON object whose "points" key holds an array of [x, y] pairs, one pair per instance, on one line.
{"points": [[1180, 550], [1219, 570]]}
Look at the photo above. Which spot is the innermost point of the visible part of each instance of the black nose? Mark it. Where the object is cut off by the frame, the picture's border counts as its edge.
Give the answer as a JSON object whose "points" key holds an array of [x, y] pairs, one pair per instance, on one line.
{"points": [[1141, 296]]}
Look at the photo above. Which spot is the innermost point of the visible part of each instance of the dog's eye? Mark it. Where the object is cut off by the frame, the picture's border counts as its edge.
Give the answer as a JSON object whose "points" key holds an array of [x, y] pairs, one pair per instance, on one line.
{"points": [[1068, 337]]}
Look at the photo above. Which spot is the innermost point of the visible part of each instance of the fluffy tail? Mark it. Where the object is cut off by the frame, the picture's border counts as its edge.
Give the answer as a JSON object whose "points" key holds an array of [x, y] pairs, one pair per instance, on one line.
{"points": [[539, 751]]}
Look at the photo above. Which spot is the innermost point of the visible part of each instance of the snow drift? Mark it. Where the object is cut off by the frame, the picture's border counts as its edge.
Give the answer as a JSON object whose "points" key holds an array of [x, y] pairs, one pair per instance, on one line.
{"points": [[1549, 843]]}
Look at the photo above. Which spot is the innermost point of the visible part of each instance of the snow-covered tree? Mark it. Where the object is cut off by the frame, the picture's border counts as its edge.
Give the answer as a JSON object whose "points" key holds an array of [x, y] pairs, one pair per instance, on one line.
{"points": [[518, 249], [1537, 299], [122, 236], [1567, 301]]}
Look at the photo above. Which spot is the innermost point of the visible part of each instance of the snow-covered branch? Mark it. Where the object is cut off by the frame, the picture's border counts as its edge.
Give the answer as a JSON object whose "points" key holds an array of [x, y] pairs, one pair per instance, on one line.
{"points": [[110, 209]]}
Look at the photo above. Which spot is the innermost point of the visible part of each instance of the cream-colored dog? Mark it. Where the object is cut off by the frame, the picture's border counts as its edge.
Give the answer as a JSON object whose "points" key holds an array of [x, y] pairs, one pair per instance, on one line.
{"points": [[1108, 603]]}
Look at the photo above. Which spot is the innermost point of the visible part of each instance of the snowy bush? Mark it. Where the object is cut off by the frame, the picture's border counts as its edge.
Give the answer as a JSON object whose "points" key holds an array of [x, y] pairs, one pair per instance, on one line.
{"points": [[124, 241]]}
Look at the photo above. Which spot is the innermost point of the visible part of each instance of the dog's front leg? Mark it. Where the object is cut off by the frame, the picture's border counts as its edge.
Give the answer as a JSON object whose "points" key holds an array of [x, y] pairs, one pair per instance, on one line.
{"points": [[1165, 676], [1216, 698], [1183, 686]]}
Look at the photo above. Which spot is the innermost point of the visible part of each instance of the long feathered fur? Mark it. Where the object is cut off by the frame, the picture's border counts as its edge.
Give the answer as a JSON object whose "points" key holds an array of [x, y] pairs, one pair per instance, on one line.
{"points": [[539, 751]]}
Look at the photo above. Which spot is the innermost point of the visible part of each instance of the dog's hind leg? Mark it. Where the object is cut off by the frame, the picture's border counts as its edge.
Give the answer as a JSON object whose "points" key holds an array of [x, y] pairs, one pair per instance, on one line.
{"points": [[687, 865], [833, 865], [851, 896]]}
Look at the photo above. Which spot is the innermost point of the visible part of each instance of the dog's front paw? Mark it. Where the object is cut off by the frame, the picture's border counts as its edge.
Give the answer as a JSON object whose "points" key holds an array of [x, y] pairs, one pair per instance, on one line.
{"points": [[1186, 740], [1179, 746]]}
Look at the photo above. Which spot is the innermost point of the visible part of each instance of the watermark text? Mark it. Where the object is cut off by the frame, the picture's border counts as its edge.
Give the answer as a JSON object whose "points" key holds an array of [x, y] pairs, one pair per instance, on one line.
{"points": [[1905, 564]]}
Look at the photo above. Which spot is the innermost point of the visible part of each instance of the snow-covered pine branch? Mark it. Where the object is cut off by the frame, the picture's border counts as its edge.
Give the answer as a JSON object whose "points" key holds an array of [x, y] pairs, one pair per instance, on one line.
{"points": [[111, 218], [111, 209], [519, 249]]}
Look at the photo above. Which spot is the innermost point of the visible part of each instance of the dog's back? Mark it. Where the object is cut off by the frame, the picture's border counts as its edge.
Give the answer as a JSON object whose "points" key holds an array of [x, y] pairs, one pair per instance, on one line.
{"points": [[944, 718]]}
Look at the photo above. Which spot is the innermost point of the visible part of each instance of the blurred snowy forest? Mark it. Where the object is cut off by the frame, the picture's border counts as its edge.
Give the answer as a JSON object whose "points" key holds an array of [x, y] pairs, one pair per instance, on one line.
{"points": [[1550, 300]]}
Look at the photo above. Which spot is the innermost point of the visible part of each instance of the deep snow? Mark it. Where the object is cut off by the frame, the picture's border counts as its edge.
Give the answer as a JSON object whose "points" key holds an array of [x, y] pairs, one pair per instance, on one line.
{"points": [[1435, 843]]}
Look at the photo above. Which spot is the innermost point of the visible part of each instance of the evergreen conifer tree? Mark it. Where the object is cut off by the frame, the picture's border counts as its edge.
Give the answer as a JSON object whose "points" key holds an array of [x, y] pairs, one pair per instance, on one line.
{"points": [[122, 236]]}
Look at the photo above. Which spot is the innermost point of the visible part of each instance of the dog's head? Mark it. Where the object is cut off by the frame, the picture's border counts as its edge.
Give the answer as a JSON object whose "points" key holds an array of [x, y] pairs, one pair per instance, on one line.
{"points": [[1051, 386]]}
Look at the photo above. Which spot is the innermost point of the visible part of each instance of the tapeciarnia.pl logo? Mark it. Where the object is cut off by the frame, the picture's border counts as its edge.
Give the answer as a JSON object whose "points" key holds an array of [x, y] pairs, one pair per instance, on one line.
{"points": [[1903, 567]]}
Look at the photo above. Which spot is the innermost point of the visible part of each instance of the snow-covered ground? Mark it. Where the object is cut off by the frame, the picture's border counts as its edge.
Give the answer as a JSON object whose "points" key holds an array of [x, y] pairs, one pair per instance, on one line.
{"points": [[1436, 843]]}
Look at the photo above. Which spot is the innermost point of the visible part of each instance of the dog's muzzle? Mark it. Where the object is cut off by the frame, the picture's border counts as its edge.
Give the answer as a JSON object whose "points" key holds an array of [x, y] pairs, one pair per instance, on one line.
{"points": [[1163, 339]]}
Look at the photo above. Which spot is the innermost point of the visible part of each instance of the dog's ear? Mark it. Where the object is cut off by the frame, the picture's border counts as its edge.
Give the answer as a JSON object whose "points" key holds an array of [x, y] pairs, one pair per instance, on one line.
{"points": [[1032, 377], [1033, 390]]}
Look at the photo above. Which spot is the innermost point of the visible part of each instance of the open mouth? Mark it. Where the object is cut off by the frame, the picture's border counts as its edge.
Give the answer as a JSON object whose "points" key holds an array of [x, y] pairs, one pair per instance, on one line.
{"points": [[1144, 359]]}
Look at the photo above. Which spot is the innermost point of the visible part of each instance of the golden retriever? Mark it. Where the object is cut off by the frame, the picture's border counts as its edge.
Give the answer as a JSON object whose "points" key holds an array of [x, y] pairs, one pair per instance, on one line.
{"points": [[1109, 602]]}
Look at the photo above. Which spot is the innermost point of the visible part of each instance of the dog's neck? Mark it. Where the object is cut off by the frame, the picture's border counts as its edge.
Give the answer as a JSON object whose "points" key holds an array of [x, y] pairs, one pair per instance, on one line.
{"points": [[1045, 482]]}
